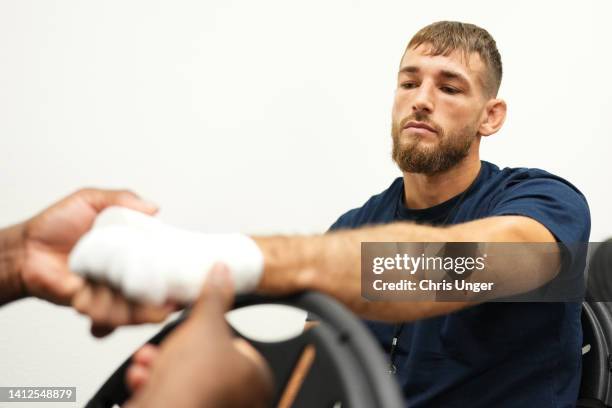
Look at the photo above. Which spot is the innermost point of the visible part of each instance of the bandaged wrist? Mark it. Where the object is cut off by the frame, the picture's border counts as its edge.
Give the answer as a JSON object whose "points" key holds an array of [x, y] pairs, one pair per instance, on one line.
{"points": [[151, 261]]}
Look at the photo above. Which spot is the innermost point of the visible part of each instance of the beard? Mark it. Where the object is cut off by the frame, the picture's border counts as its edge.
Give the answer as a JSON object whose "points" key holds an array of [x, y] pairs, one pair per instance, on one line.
{"points": [[412, 157]]}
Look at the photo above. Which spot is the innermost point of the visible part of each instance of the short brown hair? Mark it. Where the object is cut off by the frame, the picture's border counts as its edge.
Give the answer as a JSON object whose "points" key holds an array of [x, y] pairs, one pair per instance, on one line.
{"points": [[445, 37]]}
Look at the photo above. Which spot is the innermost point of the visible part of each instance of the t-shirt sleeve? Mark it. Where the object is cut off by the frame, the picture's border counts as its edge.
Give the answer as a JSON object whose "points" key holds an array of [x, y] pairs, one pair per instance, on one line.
{"points": [[564, 211], [551, 201], [345, 221]]}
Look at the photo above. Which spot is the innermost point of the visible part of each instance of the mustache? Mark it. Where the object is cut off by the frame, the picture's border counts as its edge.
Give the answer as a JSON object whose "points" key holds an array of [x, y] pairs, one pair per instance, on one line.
{"points": [[420, 117]]}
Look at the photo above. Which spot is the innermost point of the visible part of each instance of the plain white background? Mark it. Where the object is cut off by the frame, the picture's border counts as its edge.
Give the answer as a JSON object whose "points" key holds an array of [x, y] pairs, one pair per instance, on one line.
{"points": [[261, 117]]}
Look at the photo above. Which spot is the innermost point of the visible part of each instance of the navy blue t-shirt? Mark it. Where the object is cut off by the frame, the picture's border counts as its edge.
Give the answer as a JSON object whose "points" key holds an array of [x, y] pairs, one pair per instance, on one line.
{"points": [[493, 354]]}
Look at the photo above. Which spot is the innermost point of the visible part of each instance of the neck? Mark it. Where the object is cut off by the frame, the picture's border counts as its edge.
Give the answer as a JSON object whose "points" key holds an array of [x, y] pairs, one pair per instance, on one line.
{"points": [[424, 191]]}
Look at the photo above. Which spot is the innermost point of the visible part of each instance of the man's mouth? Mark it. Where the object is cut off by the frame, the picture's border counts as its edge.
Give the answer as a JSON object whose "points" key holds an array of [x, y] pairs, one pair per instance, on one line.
{"points": [[419, 127]]}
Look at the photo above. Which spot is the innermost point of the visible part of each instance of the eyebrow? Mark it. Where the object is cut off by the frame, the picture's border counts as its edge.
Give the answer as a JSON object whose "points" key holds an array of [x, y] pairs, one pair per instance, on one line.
{"points": [[411, 69]]}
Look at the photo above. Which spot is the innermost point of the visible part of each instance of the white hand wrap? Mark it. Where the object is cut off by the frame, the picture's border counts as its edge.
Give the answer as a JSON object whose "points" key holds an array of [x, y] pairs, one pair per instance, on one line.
{"points": [[151, 261]]}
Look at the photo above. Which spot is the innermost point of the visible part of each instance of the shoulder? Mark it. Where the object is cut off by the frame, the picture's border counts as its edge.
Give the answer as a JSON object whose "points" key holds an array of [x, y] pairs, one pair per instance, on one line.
{"points": [[514, 177], [374, 210], [548, 198], [537, 183]]}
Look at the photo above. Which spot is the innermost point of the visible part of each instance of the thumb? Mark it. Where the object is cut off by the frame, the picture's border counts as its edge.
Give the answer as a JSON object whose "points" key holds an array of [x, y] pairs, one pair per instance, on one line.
{"points": [[217, 293], [69, 285], [101, 199], [60, 288]]}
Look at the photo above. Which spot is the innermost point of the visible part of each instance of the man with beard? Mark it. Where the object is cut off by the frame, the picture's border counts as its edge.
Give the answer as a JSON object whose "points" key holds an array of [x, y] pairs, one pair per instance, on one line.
{"points": [[461, 353]]}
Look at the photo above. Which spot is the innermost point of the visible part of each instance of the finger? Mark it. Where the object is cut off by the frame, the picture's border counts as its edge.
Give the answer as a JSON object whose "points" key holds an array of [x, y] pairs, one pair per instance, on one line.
{"points": [[259, 362], [146, 355], [245, 348], [120, 313], [101, 305], [101, 330], [142, 361], [68, 285], [136, 376], [88, 301], [54, 282], [82, 299], [217, 293], [147, 313], [85, 301], [101, 199]]}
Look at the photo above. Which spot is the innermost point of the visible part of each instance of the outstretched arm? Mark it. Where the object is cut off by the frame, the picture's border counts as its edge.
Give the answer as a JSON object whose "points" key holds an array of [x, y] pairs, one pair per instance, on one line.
{"points": [[331, 263]]}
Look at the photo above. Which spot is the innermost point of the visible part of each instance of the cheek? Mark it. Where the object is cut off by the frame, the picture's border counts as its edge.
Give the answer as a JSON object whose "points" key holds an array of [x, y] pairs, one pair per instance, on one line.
{"points": [[400, 106], [453, 115]]}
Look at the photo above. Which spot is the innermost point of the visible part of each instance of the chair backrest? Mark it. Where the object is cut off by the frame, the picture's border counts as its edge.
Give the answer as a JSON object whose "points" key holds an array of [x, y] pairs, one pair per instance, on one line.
{"points": [[596, 383]]}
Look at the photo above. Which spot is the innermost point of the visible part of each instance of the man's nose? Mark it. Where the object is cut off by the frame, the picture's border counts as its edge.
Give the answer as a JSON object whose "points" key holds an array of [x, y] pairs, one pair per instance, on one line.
{"points": [[423, 99]]}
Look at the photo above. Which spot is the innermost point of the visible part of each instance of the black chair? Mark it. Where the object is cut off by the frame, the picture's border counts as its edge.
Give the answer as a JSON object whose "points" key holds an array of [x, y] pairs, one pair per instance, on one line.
{"points": [[348, 369], [596, 384]]}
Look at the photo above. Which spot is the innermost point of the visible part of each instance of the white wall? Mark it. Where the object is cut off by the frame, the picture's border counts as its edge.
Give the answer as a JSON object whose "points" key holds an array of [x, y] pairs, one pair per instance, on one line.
{"points": [[260, 117]]}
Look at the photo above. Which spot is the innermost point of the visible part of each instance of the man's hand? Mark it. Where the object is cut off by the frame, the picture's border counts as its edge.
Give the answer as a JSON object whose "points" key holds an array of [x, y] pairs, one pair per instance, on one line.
{"points": [[139, 268], [108, 309], [50, 236], [200, 364], [35, 252], [152, 262]]}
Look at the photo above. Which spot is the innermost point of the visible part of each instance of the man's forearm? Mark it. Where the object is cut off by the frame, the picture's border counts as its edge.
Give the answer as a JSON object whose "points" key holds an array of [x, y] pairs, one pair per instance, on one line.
{"points": [[11, 256], [331, 263]]}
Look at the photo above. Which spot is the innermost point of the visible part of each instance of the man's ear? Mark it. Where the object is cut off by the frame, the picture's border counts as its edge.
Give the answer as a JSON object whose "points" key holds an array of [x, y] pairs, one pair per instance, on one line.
{"points": [[494, 117]]}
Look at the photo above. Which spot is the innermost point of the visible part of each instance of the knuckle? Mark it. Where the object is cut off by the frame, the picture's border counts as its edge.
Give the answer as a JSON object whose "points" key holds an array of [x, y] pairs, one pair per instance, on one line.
{"points": [[115, 320], [33, 279], [98, 315], [84, 191], [125, 194], [79, 306]]}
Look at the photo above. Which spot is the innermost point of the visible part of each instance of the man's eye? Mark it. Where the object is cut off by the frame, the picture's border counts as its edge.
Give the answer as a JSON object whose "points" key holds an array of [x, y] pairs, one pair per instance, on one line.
{"points": [[408, 85], [450, 90]]}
